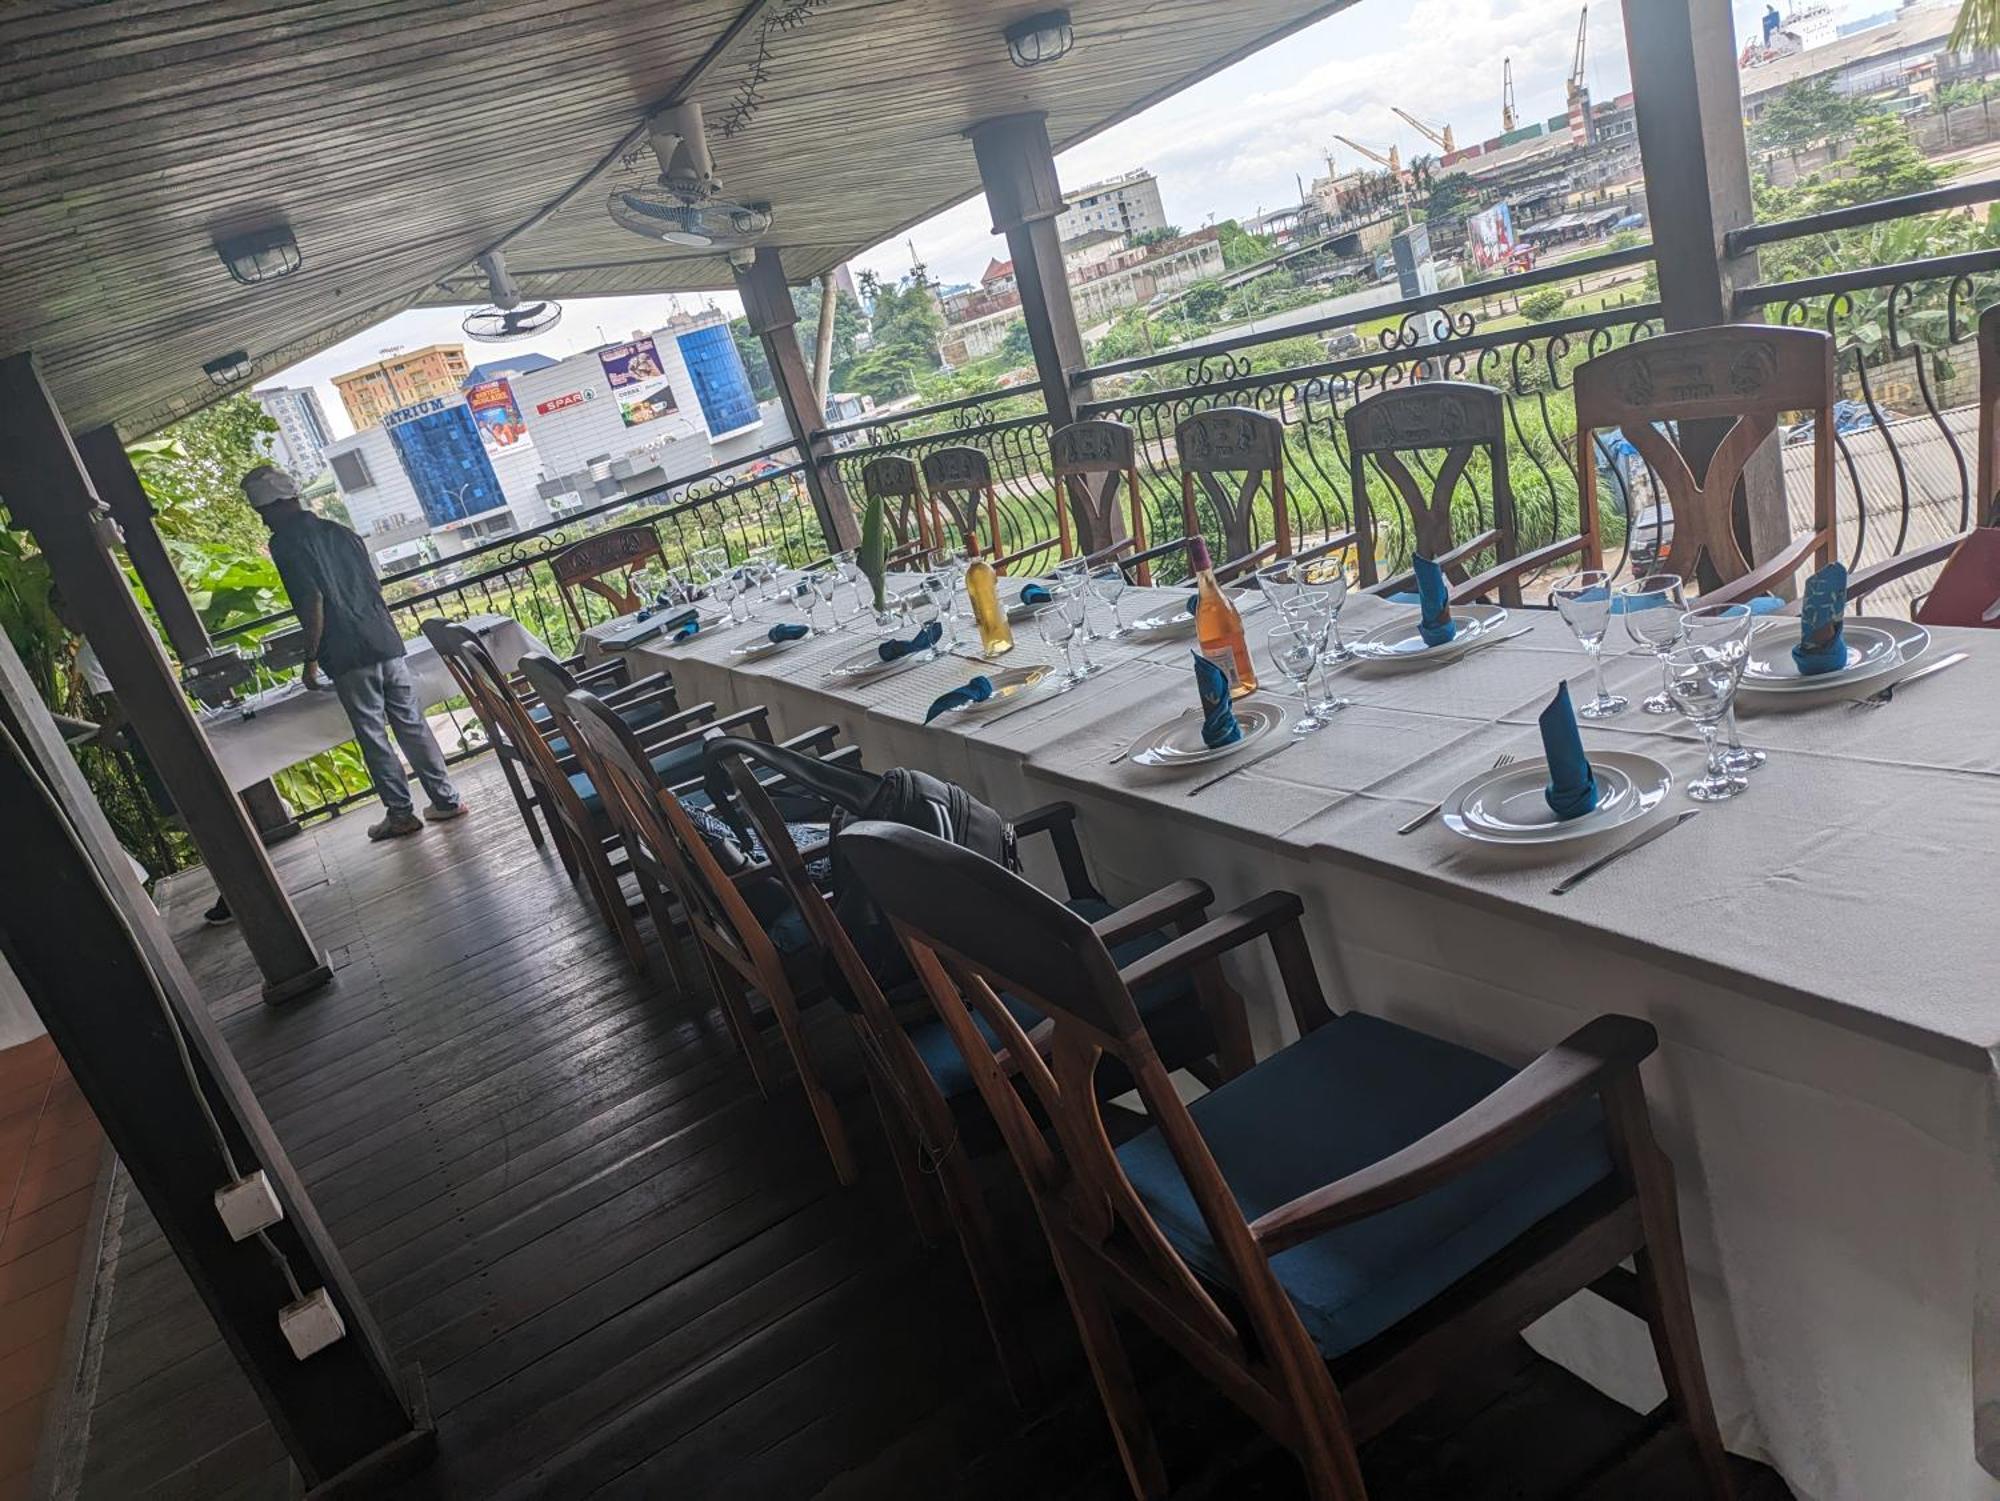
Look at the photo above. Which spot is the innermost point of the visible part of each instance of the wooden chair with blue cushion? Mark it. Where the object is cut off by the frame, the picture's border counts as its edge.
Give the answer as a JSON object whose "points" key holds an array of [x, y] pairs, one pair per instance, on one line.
{"points": [[1329, 1237], [1712, 397], [448, 640], [1454, 421], [920, 1081]]}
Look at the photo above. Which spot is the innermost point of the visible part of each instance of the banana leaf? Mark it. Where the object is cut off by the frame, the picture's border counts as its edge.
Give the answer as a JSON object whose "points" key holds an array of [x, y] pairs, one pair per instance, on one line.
{"points": [[874, 553]]}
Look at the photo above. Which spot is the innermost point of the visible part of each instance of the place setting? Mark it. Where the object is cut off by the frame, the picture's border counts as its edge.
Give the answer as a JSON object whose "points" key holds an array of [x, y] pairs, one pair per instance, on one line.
{"points": [[1437, 634]]}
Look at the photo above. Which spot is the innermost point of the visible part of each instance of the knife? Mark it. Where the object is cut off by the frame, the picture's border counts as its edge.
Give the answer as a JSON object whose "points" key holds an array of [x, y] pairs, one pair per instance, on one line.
{"points": [[1638, 841], [1245, 765], [1876, 700]]}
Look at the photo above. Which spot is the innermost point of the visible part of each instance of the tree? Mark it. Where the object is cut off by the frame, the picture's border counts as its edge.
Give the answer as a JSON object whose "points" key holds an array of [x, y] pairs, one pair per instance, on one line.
{"points": [[904, 332], [1203, 302], [848, 325], [1158, 236], [1807, 112], [1884, 163], [193, 472], [1240, 247], [750, 349], [1543, 304], [1450, 200], [1016, 350]]}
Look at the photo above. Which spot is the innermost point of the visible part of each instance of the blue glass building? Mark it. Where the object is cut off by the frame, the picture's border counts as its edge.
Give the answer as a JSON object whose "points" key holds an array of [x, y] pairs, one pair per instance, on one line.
{"points": [[721, 383], [439, 445]]}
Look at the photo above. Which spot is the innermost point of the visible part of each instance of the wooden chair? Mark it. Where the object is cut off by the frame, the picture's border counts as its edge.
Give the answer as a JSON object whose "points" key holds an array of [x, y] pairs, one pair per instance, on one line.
{"points": [[1747, 374], [1088, 459], [960, 479], [746, 952], [1246, 449], [1455, 420], [921, 1086], [1432, 1201], [910, 513], [603, 565], [446, 639]]}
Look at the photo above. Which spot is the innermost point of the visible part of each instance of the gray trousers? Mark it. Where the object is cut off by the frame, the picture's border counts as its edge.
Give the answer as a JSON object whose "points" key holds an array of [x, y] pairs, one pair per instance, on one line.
{"points": [[379, 699]]}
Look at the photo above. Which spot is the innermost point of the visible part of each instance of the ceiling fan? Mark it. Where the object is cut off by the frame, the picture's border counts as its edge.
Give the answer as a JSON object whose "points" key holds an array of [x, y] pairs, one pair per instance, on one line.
{"points": [[681, 206]]}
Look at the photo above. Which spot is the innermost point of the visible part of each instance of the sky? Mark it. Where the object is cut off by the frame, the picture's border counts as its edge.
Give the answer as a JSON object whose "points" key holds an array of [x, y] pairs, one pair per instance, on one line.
{"points": [[1230, 147]]}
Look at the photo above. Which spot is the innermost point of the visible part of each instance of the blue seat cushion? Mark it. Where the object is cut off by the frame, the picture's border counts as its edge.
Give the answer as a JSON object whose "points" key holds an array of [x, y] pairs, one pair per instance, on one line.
{"points": [[648, 712], [1167, 1007], [682, 764], [1347, 1095], [1406, 597]]}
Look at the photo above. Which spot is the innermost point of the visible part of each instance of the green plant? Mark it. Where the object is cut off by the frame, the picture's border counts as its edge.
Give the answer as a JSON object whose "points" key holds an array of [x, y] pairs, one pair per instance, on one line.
{"points": [[1544, 303], [873, 554]]}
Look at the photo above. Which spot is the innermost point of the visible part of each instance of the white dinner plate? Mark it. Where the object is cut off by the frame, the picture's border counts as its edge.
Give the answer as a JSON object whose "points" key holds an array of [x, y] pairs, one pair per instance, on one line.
{"points": [[1875, 645], [1506, 806], [1400, 644], [1178, 621], [869, 664], [1006, 683], [764, 646], [1178, 742]]}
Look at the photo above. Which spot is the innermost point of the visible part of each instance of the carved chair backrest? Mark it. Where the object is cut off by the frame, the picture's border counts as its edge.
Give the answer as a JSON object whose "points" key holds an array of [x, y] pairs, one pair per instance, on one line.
{"points": [[1665, 394], [907, 509], [1089, 459], [960, 481], [1234, 453], [975, 930], [1453, 419], [603, 565]]}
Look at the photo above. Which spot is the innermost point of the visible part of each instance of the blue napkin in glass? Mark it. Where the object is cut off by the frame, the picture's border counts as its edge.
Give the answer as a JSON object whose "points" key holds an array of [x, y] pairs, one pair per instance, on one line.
{"points": [[1035, 594], [788, 631], [1434, 597], [1821, 647], [1218, 719], [977, 691], [924, 640], [1572, 786]]}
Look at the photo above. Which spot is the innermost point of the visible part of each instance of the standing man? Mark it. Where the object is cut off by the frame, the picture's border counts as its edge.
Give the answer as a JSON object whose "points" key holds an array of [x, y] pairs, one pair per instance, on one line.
{"points": [[352, 639]]}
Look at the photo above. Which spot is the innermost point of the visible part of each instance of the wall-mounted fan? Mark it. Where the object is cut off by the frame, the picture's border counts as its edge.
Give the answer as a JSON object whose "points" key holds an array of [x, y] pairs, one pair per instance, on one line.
{"points": [[508, 316], [681, 206]]}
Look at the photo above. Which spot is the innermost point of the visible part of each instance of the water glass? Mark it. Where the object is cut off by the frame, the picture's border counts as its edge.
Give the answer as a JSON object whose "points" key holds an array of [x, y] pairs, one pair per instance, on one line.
{"points": [[1294, 647], [1108, 584], [1584, 602], [1324, 579], [1729, 627], [1702, 680], [1071, 588], [938, 591], [1652, 608], [804, 598], [1060, 630]]}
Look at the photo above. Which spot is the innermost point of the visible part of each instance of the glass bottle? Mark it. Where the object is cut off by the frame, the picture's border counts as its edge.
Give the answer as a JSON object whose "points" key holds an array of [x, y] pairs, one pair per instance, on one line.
{"points": [[982, 588], [1218, 628]]}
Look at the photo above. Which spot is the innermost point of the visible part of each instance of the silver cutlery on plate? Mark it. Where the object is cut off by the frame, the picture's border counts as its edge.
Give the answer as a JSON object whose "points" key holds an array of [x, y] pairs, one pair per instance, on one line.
{"points": [[1436, 808], [1636, 842], [1877, 700]]}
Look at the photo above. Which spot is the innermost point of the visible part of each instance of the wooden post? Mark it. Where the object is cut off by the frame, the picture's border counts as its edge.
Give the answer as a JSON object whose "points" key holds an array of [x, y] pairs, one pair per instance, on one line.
{"points": [[1689, 108], [767, 304], [1019, 173], [96, 961], [47, 489]]}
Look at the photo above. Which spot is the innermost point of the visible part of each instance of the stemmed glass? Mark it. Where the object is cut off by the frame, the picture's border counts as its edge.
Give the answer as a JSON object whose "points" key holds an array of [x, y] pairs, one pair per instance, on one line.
{"points": [[937, 597], [1108, 584], [1729, 627], [1313, 611], [802, 595], [1324, 579], [1701, 680], [1652, 609], [1072, 582], [650, 584], [1584, 602], [1059, 629], [1295, 647]]}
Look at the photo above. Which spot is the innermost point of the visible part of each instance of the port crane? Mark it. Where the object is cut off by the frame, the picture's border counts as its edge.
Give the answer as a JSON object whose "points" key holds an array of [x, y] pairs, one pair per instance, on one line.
{"points": [[1393, 161], [1507, 117], [1581, 128], [1438, 138]]}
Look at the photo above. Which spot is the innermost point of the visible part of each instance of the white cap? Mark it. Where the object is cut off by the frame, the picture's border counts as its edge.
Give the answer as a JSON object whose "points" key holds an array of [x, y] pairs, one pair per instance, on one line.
{"points": [[267, 484]]}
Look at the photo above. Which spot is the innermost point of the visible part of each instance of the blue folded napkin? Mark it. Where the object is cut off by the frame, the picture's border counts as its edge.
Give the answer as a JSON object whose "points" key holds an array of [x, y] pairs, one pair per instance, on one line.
{"points": [[1218, 719], [977, 691], [681, 627], [1194, 602], [924, 640], [789, 631], [1821, 647], [1434, 597], [1572, 786], [1035, 594]]}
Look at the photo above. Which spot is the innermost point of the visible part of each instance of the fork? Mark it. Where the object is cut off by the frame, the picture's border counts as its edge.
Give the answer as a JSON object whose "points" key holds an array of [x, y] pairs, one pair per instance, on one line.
{"points": [[1438, 807]]}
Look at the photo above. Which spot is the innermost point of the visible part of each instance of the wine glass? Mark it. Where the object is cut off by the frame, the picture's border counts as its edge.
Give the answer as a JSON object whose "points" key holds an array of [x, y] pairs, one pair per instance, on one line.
{"points": [[1059, 630], [1280, 582], [1652, 608], [1729, 627], [1072, 579], [937, 597], [1701, 680], [803, 597], [1584, 602], [1314, 612], [1324, 579], [650, 585], [1295, 647], [1108, 584]]}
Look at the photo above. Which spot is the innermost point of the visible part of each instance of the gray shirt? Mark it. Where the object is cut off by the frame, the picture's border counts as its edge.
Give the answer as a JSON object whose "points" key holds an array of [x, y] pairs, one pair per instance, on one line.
{"points": [[320, 559]]}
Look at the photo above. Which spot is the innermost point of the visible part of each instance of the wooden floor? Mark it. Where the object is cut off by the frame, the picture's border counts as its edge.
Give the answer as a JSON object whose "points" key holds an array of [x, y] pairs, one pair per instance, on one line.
{"points": [[625, 1274]]}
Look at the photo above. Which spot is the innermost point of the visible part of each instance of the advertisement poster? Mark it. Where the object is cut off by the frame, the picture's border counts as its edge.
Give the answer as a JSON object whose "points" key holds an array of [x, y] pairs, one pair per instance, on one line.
{"points": [[638, 381], [497, 413], [1489, 238]]}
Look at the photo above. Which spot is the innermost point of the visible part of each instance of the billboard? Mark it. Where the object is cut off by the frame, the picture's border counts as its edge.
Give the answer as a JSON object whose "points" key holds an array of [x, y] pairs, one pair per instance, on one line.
{"points": [[1489, 238], [499, 416], [638, 381], [440, 448]]}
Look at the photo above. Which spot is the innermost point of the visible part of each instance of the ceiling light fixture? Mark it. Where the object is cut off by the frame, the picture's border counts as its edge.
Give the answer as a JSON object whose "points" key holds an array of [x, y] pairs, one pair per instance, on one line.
{"points": [[260, 255], [227, 369], [1041, 38]]}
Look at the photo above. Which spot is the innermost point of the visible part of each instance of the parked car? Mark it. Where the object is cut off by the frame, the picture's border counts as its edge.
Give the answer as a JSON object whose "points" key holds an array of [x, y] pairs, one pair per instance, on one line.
{"points": [[1651, 538]]}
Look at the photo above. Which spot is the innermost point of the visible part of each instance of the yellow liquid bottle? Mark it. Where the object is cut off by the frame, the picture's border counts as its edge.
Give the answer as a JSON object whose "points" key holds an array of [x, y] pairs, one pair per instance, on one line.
{"points": [[1218, 628], [996, 637]]}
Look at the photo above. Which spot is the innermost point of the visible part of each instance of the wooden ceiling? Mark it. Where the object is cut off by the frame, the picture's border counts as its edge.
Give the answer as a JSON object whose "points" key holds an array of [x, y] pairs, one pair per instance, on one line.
{"points": [[399, 138]]}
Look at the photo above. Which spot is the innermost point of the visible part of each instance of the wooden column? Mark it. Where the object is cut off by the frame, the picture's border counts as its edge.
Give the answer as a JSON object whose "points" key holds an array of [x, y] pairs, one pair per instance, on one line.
{"points": [[1019, 173], [48, 490], [96, 961], [767, 304], [1689, 108]]}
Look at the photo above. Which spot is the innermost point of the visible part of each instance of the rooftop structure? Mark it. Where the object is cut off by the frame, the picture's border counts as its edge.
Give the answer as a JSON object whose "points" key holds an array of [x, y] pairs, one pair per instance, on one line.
{"points": [[399, 380]]}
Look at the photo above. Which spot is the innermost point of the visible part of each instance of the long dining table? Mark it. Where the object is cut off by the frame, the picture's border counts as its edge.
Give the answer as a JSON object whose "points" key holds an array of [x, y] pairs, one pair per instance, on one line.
{"points": [[1818, 956]]}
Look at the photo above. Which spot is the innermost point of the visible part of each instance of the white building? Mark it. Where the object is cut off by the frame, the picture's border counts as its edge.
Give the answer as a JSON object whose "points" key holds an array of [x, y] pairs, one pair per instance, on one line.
{"points": [[299, 445], [1128, 205]]}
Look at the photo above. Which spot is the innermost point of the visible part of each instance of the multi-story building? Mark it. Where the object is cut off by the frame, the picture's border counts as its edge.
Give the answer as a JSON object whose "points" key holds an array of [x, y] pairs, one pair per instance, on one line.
{"points": [[302, 436], [400, 380], [1128, 205]]}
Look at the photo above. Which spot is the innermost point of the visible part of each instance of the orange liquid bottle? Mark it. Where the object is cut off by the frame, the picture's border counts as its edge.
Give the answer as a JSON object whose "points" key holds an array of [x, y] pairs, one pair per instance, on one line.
{"points": [[1218, 628]]}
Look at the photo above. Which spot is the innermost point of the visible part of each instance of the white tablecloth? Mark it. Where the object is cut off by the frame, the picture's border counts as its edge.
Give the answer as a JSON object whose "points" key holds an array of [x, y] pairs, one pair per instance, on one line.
{"points": [[1818, 957], [292, 724]]}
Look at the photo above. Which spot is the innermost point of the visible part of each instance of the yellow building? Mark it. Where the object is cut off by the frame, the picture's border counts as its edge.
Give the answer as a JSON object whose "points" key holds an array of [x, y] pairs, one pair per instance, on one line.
{"points": [[374, 391]]}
